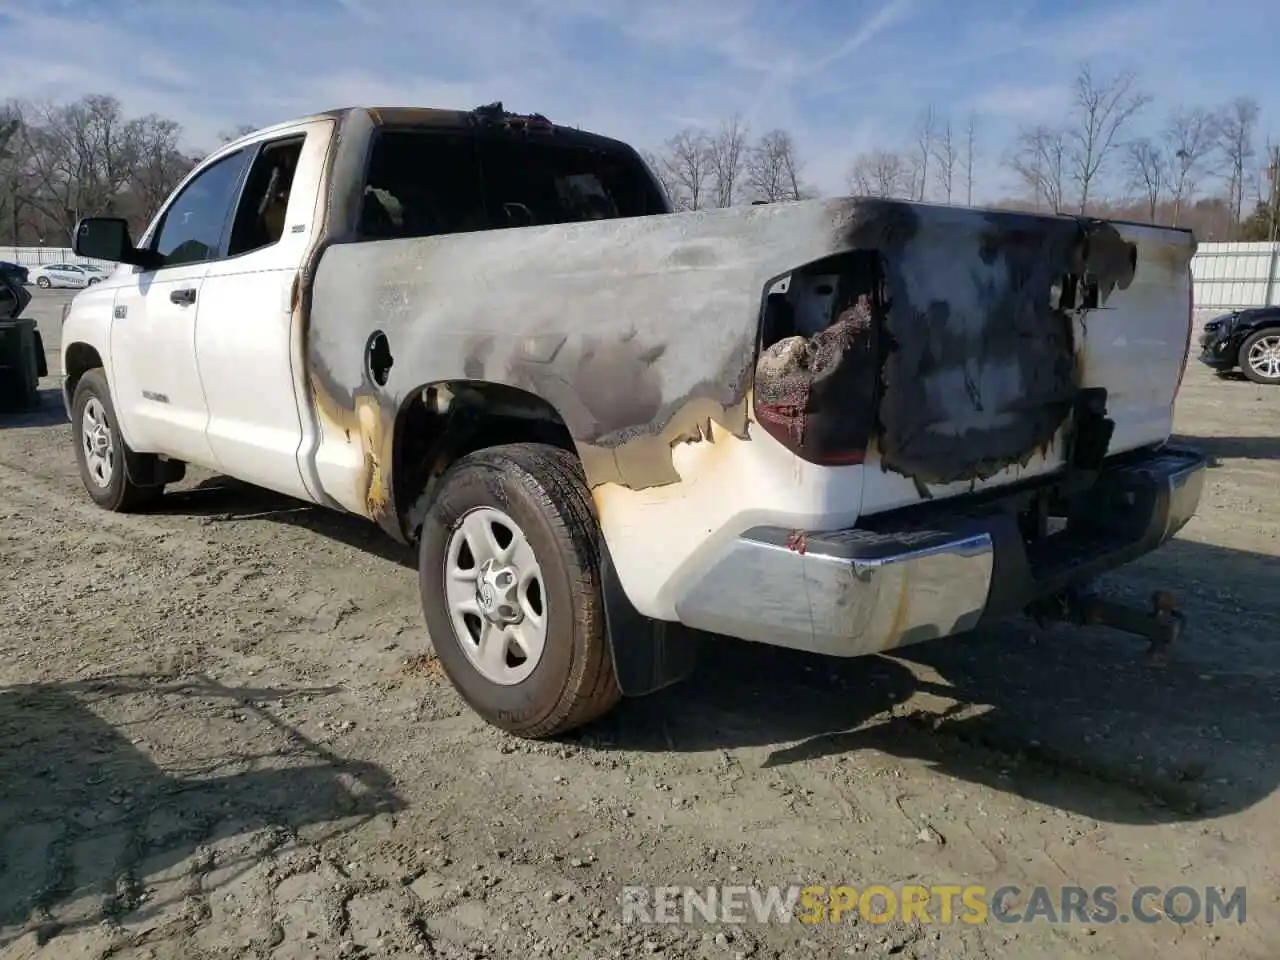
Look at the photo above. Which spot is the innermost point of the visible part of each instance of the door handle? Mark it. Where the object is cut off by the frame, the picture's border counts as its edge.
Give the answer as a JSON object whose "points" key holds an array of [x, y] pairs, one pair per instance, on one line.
{"points": [[184, 297]]}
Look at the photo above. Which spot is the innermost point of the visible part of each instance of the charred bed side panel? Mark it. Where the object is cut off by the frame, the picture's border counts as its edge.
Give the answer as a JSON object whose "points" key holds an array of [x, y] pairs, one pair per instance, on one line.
{"points": [[640, 331], [637, 331]]}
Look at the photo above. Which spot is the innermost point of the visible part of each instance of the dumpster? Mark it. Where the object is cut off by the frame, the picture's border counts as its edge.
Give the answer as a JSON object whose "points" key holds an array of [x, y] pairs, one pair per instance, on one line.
{"points": [[22, 360]]}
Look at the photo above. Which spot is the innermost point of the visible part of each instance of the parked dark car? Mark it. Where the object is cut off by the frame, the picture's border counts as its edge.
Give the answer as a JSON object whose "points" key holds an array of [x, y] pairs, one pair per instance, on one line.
{"points": [[1248, 339], [13, 271]]}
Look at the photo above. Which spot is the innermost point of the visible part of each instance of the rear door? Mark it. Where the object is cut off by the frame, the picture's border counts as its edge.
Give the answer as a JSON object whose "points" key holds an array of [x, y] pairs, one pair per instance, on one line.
{"points": [[246, 349]]}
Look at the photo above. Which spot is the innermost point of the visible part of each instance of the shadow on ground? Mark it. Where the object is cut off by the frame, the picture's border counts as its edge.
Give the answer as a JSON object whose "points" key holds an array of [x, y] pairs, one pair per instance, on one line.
{"points": [[1233, 448], [47, 412], [1073, 718], [1068, 717], [87, 814], [224, 500]]}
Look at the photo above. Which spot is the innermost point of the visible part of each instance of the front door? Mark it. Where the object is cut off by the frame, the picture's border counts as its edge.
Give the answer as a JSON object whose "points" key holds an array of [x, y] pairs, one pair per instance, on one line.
{"points": [[156, 383]]}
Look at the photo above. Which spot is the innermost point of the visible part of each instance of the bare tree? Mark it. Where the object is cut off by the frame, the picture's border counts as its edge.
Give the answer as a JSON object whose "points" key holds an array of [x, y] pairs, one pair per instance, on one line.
{"points": [[728, 154], [68, 160], [924, 150], [1101, 106], [880, 173], [1190, 135], [8, 127], [773, 169], [81, 158], [944, 155], [14, 161], [1149, 171], [661, 170], [688, 166], [159, 163], [1040, 158], [1237, 124], [970, 155]]}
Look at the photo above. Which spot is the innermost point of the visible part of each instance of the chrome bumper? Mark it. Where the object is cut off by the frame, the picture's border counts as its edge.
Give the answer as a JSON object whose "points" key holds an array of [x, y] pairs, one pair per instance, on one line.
{"points": [[854, 592]]}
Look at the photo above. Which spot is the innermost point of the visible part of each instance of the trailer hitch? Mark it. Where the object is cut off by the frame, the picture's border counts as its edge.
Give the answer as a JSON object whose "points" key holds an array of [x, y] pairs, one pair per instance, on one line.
{"points": [[1161, 622]]}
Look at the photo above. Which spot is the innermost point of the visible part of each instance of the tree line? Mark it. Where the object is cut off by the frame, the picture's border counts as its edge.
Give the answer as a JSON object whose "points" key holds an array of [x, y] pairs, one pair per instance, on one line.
{"points": [[1105, 154], [61, 161]]}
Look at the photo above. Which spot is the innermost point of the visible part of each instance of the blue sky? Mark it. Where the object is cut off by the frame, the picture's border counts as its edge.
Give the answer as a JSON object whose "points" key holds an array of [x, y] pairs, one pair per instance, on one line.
{"points": [[842, 75]]}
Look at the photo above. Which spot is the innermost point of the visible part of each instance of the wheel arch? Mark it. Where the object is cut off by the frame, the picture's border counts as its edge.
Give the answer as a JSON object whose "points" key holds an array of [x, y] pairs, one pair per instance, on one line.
{"points": [[442, 421], [439, 422], [78, 358]]}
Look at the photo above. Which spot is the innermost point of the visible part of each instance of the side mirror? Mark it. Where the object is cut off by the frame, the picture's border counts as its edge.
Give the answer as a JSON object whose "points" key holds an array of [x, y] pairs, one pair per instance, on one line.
{"points": [[107, 238]]}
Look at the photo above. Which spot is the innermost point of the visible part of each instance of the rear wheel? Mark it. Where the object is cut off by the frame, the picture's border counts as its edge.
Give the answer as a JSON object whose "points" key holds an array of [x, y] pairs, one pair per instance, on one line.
{"points": [[1260, 356], [100, 449], [44, 282], [509, 572]]}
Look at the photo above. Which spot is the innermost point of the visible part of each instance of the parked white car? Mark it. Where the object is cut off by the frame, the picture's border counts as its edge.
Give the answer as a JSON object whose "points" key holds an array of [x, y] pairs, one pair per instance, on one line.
{"points": [[66, 275]]}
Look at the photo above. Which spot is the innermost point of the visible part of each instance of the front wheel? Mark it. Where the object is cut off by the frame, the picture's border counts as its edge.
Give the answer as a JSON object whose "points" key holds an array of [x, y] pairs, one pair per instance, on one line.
{"points": [[44, 282], [509, 571], [100, 449], [1260, 356]]}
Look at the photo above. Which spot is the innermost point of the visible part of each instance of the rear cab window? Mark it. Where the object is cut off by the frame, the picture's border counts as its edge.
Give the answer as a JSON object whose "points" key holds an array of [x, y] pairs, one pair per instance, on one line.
{"points": [[427, 182]]}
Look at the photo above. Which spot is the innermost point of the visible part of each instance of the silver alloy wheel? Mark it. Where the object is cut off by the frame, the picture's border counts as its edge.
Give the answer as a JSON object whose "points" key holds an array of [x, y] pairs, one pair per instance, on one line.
{"points": [[1264, 357], [496, 597], [95, 435]]}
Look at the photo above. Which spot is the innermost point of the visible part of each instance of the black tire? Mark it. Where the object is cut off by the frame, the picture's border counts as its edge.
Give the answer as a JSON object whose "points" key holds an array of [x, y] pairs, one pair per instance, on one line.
{"points": [[120, 494], [1245, 347], [543, 490], [44, 283], [94, 280]]}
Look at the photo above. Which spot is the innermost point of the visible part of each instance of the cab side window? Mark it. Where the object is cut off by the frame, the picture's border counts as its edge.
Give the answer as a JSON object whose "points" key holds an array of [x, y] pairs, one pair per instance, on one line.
{"points": [[265, 200], [193, 226], [421, 183]]}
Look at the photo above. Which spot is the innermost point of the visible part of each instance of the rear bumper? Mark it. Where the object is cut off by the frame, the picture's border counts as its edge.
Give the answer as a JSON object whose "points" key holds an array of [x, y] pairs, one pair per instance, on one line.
{"points": [[860, 591]]}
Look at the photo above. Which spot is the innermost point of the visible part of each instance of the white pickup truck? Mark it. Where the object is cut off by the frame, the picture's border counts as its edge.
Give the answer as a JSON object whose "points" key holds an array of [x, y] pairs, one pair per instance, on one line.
{"points": [[838, 425]]}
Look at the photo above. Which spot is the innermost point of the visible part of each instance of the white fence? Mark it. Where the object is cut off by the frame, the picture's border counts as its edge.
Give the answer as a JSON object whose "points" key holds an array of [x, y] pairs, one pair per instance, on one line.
{"points": [[1230, 275], [40, 256], [1226, 275]]}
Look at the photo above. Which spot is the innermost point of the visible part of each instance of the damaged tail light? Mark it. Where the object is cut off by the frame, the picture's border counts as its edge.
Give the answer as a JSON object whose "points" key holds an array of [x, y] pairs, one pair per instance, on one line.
{"points": [[816, 394]]}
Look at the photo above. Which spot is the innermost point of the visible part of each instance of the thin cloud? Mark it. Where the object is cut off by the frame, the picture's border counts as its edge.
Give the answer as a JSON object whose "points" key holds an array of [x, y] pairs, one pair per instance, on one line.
{"points": [[1022, 103], [887, 16]]}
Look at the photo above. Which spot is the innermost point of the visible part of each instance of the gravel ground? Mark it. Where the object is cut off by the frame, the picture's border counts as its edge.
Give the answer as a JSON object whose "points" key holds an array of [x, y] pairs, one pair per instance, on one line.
{"points": [[223, 735]]}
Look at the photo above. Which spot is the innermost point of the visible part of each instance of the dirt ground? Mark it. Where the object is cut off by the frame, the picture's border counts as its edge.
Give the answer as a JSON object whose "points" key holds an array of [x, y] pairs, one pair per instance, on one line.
{"points": [[222, 735]]}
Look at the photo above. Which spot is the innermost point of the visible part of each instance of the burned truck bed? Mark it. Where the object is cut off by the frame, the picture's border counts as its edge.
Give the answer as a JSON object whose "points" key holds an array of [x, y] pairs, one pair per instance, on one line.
{"points": [[945, 338]]}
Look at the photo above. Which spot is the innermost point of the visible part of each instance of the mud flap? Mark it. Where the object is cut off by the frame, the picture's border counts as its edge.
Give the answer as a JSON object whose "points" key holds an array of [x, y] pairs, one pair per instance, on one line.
{"points": [[42, 362], [149, 470], [648, 655]]}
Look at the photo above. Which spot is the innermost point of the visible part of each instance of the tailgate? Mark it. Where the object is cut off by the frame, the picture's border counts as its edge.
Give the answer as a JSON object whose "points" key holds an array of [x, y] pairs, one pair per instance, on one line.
{"points": [[1001, 338]]}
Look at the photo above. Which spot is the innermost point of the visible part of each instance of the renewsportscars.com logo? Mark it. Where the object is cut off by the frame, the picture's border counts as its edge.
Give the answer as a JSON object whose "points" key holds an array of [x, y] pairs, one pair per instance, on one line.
{"points": [[939, 903]]}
